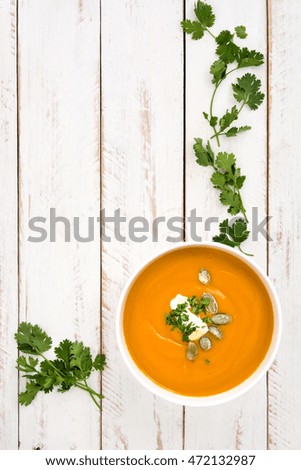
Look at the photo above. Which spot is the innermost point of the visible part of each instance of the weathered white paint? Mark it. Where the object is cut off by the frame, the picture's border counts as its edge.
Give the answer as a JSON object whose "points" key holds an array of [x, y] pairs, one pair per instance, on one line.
{"points": [[285, 208], [8, 228], [240, 424], [142, 102], [59, 83], [142, 136]]}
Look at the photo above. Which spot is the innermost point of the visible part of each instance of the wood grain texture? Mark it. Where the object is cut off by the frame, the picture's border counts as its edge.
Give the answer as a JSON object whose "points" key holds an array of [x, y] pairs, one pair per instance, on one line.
{"points": [[8, 228], [142, 175], [142, 109], [59, 83], [285, 226], [240, 424]]}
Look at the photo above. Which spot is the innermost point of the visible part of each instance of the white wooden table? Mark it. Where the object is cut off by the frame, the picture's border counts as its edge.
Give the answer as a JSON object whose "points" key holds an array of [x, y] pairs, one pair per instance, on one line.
{"points": [[99, 107]]}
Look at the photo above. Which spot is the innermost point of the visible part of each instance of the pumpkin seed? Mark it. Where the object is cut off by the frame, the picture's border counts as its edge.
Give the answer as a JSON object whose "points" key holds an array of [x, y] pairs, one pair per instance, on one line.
{"points": [[221, 319], [212, 307], [216, 332], [204, 276], [205, 343], [192, 351]]}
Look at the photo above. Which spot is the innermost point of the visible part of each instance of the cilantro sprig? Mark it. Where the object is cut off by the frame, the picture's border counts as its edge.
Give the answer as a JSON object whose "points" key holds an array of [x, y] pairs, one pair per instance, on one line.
{"points": [[227, 178], [72, 366], [233, 234], [231, 57], [179, 319]]}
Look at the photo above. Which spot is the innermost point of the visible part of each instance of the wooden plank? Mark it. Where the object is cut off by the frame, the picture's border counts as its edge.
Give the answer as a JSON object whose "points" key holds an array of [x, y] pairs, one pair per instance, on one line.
{"points": [[285, 208], [59, 62], [142, 102], [8, 228], [240, 424]]}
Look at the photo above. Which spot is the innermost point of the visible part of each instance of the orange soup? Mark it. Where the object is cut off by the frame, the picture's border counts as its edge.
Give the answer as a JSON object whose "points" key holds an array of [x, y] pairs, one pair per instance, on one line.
{"points": [[160, 353]]}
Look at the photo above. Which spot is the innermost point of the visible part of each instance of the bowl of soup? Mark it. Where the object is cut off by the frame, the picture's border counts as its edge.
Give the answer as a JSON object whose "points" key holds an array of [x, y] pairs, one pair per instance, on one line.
{"points": [[198, 324]]}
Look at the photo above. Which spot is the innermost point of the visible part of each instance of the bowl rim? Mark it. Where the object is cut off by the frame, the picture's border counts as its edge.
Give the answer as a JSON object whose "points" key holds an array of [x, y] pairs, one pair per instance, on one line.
{"points": [[209, 400]]}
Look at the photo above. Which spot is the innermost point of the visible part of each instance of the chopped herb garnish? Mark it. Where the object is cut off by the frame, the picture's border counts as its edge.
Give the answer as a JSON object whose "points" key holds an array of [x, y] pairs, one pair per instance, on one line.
{"points": [[207, 320], [198, 305], [178, 318], [207, 361]]}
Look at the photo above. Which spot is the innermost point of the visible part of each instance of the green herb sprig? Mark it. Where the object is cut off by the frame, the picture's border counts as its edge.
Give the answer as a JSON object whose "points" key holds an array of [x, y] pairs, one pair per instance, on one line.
{"points": [[247, 93], [72, 366], [231, 57], [178, 318]]}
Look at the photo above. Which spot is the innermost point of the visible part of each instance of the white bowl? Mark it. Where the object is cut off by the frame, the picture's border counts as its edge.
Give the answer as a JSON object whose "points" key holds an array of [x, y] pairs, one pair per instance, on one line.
{"points": [[212, 399]]}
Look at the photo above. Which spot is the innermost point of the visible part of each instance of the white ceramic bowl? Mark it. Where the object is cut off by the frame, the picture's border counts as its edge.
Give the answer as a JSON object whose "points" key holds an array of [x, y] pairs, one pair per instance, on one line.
{"points": [[212, 399]]}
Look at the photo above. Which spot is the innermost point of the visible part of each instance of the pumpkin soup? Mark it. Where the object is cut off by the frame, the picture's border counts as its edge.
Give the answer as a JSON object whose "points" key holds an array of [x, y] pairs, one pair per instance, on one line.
{"points": [[198, 321]]}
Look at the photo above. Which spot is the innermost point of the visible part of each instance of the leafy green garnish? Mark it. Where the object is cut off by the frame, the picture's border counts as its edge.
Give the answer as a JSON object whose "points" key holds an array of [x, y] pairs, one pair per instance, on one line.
{"points": [[178, 318], [207, 320], [226, 176], [241, 32], [72, 366], [246, 91], [207, 362], [32, 340], [204, 20], [198, 304], [232, 235]]}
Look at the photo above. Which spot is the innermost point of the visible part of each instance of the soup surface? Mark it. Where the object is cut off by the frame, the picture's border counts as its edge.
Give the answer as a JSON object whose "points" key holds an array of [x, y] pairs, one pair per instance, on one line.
{"points": [[160, 352]]}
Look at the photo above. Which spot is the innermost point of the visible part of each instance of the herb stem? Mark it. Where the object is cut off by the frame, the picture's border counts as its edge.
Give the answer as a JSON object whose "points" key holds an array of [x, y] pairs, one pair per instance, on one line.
{"points": [[211, 34], [243, 209], [83, 387], [89, 390], [211, 112], [216, 134], [55, 368], [247, 254]]}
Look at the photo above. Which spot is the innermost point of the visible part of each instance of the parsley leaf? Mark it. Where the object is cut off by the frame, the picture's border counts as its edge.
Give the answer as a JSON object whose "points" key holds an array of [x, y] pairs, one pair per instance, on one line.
{"points": [[27, 364], [233, 131], [32, 389], [63, 352], [247, 58], [204, 156], [204, 14], [230, 198], [32, 339], [205, 19], [227, 50], [241, 32], [81, 359], [232, 235], [218, 70], [247, 90], [194, 28], [226, 162], [228, 118], [227, 177], [99, 362], [71, 367], [218, 180]]}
